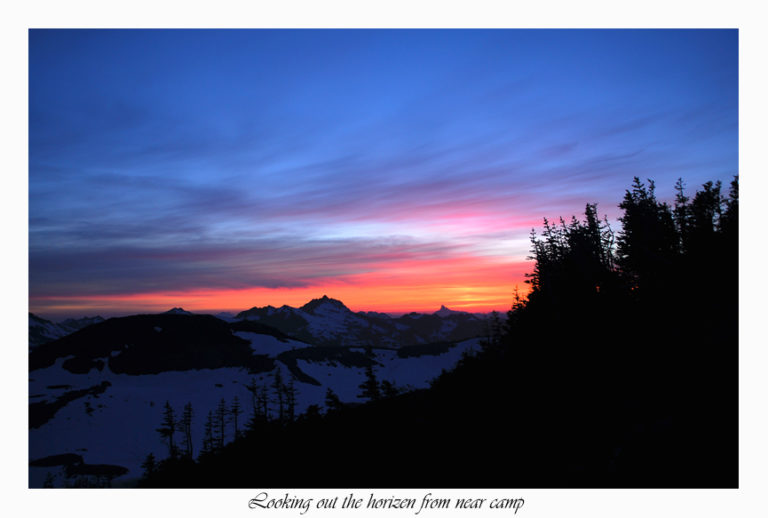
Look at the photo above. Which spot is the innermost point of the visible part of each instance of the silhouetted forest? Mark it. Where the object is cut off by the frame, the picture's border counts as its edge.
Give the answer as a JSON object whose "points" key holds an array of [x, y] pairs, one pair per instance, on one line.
{"points": [[620, 369]]}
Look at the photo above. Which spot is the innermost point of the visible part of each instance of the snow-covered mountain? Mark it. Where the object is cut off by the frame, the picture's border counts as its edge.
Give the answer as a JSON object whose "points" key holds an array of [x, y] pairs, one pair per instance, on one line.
{"points": [[97, 395], [326, 321], [42, 330]]}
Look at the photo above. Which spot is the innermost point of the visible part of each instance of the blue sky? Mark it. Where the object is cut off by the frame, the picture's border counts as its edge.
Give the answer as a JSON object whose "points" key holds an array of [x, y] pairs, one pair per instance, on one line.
{"points": [[398, 169]]}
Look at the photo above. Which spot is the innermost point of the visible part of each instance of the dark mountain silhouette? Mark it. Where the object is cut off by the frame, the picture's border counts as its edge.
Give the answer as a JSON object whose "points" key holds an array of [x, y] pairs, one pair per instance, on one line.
{"points": [[178, 311], [146, 344]]}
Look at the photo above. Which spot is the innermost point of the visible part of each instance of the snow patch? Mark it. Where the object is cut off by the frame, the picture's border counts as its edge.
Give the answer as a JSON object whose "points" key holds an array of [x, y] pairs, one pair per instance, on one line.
{"points": [[118, 426]]}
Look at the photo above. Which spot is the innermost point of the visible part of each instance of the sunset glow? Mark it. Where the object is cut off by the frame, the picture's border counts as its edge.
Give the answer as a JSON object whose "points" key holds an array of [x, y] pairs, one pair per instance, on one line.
{"points": [[394, 170], [467, 284]]}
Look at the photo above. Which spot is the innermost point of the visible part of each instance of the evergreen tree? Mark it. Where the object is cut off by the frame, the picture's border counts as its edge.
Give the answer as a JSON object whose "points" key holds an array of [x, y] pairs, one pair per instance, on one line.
{"points": [[262, 401], [168, 429], [149, 466], [278, 391], [186, 430], [649, 244], [209, 442], [370, 387], [706, 212], [388, 389], [574, 263], [253, 388], [259, 404], [729, 228], [729, 223], [312, 413], [220, 422], [290, 399], [235, 411], [332, 401], [494, 332], [682, 214]]}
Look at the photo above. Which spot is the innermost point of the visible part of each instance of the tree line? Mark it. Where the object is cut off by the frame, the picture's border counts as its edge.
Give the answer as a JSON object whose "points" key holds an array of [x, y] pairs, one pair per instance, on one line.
{"points": [[272, 403], [660, 248]]}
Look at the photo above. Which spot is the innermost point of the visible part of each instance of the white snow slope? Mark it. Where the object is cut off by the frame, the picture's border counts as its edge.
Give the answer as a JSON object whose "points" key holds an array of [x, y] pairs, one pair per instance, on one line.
{"points": [[119, 426]]}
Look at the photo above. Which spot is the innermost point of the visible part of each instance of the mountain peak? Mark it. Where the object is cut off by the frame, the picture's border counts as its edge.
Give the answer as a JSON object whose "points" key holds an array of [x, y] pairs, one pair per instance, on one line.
{"points": [[177, 311], [324, 301], [444, 311]]}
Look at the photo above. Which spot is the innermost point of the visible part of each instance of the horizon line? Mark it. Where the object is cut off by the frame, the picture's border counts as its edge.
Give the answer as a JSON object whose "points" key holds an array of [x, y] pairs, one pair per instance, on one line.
{"points": [[69, 313]]}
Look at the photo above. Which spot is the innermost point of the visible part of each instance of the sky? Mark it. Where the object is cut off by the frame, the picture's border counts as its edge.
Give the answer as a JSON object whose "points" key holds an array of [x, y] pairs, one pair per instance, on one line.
{"points": [[395, 170]]}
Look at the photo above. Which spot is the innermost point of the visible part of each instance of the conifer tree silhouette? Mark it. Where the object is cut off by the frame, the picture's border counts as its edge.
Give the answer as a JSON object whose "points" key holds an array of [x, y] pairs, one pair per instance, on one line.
{"points": [[279, 394], [209, 442], [167, 429], [235, 412], [370, 387], [220, 422], [332, 401], [290, 399], [185, 425]]}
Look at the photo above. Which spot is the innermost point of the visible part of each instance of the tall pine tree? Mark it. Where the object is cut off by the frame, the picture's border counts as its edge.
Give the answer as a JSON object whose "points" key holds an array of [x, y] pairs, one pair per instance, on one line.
{"points": [[235, 412], [209, 441], [332, 401], [279, 393], [167, 429], [186, 430], [369, 388], [220, 422], [290, 399]]}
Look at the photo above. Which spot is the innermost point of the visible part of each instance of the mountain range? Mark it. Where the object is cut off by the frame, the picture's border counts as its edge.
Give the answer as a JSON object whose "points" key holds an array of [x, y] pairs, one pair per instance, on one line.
{"points": [[327, 321], [97, 393], [323, 321]]}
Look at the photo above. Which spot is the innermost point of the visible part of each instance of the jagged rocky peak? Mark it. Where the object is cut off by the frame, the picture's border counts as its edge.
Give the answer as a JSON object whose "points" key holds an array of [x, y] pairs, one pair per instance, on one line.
{"points": [[324, 302], [444, 312]]}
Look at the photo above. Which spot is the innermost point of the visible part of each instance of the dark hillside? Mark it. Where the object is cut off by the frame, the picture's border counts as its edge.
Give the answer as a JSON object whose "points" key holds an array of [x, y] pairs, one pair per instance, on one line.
{"points": [[148, 344], [620, 370]]}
